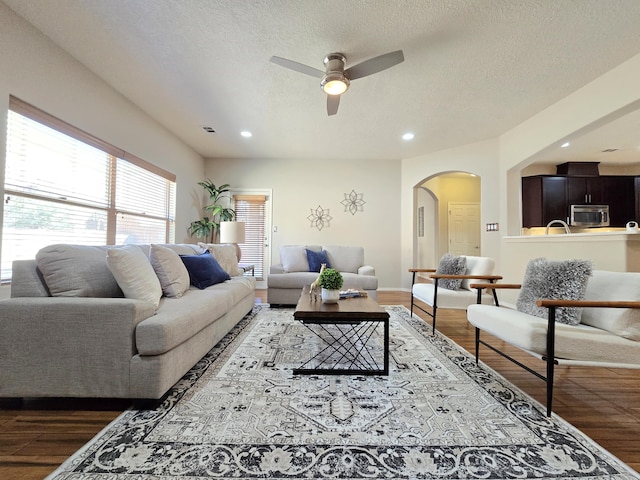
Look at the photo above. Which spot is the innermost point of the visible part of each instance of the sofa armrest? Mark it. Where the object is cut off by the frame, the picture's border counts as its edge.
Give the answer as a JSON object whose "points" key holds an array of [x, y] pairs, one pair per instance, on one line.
{"points": [[68, 346], [276, 268], [367, 270], [75, 325]]}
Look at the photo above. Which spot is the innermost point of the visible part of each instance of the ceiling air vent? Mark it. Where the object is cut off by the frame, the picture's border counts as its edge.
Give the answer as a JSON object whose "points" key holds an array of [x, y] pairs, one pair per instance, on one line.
{"points": [[208, 129]]}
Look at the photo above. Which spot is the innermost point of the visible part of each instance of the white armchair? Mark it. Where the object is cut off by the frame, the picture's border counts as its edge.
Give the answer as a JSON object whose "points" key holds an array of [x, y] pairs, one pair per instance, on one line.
{"points": [[608, 334], [435, 296]]}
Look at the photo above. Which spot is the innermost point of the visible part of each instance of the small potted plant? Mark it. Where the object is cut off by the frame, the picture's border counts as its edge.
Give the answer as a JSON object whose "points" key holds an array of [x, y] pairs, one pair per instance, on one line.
{"points": [[331, 281]]}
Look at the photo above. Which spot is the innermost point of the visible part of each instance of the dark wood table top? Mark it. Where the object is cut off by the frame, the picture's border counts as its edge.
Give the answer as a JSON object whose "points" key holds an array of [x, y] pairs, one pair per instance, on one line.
{"points": [[347, 308]]}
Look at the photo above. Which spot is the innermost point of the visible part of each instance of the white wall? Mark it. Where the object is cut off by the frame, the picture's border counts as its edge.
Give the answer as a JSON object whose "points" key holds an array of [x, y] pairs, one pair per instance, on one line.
{"points": [[300, 186], [608, 97], [450, 188], [38, 72], [426, 247], [480, 159]]}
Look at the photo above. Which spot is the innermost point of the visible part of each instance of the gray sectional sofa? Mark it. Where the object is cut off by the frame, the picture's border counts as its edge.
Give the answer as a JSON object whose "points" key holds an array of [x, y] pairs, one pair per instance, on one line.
{"points": [[286, 279], [72, 330]]}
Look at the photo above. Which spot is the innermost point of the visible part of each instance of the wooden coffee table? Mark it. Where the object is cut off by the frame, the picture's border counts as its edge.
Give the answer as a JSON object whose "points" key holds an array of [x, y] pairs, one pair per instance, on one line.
{"points": [[347, 330]]}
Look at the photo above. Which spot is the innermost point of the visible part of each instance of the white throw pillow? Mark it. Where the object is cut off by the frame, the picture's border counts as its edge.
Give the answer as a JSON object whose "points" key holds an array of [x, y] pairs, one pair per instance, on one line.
{"points": [[134, 274], [225, 254], [170, 269]]}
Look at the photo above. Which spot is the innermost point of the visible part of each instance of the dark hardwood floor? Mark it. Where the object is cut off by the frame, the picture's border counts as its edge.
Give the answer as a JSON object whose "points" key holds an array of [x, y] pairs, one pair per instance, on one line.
{"points": [[40, 434]]}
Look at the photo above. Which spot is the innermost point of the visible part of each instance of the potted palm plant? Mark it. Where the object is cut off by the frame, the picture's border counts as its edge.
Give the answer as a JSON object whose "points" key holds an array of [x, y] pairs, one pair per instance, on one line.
{"points": [[331, 281], [208, 228]]}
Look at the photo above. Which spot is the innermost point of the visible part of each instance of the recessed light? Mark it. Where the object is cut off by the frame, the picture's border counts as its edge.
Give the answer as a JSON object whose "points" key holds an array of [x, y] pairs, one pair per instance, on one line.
{"points": [[565, 144], [246, 133], [408, 136]]}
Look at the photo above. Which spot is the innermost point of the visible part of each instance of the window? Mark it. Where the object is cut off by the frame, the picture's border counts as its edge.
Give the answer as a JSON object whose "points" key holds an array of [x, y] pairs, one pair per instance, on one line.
{"points": [[251, 210], [63, 185]]}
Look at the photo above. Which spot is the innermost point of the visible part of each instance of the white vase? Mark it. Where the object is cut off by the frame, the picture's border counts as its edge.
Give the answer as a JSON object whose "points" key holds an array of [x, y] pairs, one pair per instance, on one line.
{"points": [[330, 296]]}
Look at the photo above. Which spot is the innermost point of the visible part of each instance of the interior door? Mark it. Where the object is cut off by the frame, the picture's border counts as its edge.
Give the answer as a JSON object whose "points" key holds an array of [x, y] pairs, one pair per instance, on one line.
{"points": [[464, 228]]}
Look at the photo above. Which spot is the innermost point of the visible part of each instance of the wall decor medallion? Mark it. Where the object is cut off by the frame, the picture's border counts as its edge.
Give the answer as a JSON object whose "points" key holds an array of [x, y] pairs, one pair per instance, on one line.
{"points": [[320, 218], [353, 202]]}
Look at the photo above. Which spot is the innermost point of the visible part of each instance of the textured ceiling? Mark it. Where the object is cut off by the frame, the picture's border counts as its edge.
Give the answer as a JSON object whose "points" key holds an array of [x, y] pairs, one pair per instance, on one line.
{"points": [[472, 70]]}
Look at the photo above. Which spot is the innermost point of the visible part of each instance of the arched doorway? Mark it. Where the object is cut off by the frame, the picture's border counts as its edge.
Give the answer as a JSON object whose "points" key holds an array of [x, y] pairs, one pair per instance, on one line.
{"points": [[446, 217]]}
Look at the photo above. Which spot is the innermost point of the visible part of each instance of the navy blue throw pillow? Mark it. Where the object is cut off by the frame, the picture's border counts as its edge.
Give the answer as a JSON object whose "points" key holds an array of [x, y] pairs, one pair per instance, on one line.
{"points": [[204, 270], [316, 259]]}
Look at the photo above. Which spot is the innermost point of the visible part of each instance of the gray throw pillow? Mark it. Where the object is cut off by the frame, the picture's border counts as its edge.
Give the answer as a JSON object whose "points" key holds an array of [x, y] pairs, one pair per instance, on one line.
{"points": [[77, 271], [555, 280], [451, 265]]}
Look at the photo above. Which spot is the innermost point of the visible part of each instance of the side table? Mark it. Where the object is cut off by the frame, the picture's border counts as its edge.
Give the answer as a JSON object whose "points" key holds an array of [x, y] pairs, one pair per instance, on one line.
{"points": [[247, 267]]}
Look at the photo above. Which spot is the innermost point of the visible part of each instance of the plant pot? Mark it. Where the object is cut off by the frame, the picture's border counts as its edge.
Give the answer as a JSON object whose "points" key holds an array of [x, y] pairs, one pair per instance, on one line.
{"points": [[330, 296]]}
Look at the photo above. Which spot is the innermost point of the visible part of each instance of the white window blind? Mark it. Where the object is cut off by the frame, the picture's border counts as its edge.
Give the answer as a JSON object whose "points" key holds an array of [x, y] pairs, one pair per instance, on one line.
{"points": [[64, 186], [251, 210]]}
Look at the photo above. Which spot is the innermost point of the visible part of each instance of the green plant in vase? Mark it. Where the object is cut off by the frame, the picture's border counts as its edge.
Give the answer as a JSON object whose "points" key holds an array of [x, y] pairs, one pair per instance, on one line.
{"points": [[331, 282], [208, 228]]}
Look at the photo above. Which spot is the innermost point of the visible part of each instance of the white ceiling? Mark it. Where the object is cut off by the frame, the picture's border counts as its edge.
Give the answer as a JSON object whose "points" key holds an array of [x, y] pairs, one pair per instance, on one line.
{"points": [[473, 68]]}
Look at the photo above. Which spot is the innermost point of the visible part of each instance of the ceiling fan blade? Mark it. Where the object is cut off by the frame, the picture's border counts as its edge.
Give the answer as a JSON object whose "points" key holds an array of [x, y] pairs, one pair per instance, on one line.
{"points": [[298, 67], [375, 65], [333, 101]]}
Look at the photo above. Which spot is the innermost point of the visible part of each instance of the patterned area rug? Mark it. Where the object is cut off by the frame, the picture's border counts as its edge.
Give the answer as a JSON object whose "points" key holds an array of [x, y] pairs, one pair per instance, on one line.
{"points": [[240, 413]]}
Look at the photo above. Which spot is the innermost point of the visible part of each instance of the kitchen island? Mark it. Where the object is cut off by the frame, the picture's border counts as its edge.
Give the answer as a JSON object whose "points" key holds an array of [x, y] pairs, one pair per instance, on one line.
{"points": [[617, 251]]}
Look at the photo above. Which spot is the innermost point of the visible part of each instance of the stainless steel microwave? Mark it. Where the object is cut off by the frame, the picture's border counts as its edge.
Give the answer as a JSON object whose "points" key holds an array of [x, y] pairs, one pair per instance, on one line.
{"points": [[589, 215]]}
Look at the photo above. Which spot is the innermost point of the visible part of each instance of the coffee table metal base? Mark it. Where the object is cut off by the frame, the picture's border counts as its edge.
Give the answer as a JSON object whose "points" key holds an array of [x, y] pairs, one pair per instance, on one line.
{"points": [[347, 345]]}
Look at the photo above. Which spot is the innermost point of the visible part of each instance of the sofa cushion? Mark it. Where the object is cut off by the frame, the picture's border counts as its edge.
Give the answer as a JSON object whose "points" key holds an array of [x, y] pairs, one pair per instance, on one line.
{"points": [[345, 259], [614, 286], [170, 269], [294, 258], [316, 259], [298, 280], [135, 275], [204, 270], [451, 265], [179, 319], [555, 280], [77, 271], [574, 342], [453, 299], [295, 280], [225, 254]]}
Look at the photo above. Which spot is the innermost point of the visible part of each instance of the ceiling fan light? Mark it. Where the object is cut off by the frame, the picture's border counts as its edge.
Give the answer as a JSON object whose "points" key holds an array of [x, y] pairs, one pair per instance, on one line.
{"points": [[334, 83]]}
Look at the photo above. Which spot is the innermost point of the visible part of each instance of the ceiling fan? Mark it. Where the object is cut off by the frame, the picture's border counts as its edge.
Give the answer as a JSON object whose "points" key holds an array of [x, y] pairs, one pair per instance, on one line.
{"points": [[335, 79]]}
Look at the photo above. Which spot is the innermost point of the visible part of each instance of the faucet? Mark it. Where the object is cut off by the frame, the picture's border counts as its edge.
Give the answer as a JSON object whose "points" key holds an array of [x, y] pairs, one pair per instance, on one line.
{"points": [[561, 222]]}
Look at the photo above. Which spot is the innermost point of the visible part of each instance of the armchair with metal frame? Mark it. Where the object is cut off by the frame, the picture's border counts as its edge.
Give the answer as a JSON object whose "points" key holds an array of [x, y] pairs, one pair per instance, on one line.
{"points": [[436, 297], [608, 335]]}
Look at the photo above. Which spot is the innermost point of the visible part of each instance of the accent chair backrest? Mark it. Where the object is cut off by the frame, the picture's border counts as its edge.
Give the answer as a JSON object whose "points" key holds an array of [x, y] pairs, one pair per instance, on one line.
{"points": [[613, 286], [477, 266]]}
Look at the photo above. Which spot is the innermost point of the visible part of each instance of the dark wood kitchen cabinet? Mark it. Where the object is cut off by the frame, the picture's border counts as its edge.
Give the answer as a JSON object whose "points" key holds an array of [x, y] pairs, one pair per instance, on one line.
{"points": [[585, 191], [619, 194], [544, 198], [549, 197]]}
